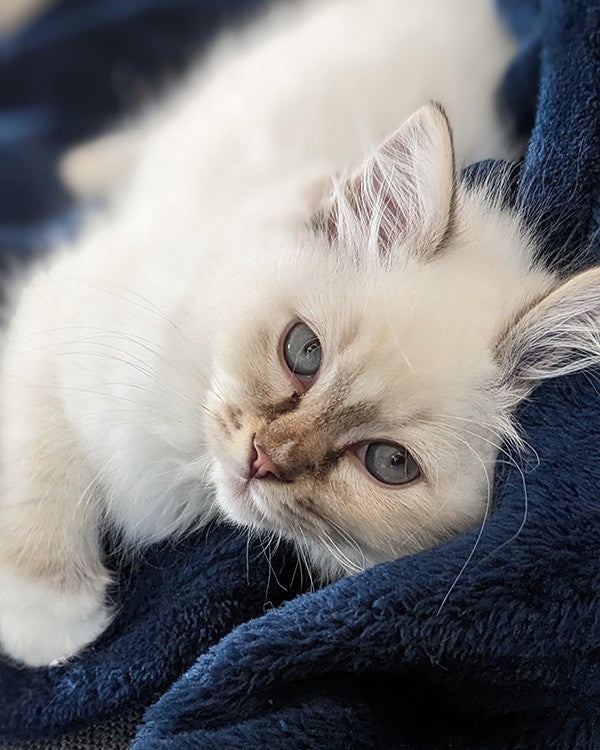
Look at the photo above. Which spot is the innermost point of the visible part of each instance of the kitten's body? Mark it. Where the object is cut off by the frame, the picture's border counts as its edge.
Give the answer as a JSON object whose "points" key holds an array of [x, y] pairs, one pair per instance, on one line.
{"points": [[144, 361]]}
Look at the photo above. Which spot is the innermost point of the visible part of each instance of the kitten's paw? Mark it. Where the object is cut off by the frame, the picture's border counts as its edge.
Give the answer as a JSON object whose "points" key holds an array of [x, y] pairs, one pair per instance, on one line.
{"points": [[40, 626]]}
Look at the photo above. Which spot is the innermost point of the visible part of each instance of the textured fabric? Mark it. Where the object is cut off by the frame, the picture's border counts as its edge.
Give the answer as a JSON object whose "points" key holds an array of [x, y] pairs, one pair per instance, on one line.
{"points": [[487, 641], [113, 734], [179, 599]]}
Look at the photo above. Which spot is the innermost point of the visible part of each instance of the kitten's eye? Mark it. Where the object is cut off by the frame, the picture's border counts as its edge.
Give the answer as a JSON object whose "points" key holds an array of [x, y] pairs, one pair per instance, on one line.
{"points": [[391, 463], [302, 351]]}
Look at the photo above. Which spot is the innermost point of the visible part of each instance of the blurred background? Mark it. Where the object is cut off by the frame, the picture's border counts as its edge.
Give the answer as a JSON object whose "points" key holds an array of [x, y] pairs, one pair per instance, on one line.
{"points": [[68, 70]]}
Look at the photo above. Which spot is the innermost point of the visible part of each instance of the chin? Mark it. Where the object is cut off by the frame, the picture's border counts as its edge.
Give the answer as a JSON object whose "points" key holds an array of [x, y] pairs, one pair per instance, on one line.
{"points": [[236, 501], [248, 504], [241, 502]]}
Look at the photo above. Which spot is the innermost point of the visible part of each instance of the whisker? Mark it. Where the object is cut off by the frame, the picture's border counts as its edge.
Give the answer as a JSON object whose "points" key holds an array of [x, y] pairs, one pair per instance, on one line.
{"points": [[481, 528], [148, 305]]}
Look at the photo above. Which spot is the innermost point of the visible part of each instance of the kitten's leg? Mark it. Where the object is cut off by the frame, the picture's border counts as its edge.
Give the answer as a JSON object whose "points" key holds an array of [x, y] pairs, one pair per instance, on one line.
{"points": [[52, 581]]}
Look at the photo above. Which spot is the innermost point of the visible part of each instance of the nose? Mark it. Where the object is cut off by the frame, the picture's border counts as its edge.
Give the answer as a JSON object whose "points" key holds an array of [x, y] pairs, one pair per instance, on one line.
{"points": [[261, 465]]}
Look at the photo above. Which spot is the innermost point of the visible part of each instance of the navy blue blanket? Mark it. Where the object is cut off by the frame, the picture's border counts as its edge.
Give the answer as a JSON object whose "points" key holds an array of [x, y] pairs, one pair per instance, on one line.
{"points": [[409, 654]]}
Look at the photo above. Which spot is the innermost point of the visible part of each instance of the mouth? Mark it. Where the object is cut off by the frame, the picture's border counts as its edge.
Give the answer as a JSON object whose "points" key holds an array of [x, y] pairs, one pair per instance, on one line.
{"points": [[250, 503], [237, 500]]}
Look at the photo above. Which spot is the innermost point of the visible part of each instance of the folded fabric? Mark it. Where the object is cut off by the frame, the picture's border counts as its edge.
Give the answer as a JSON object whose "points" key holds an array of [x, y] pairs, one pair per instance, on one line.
{"points": [[491, 640]]}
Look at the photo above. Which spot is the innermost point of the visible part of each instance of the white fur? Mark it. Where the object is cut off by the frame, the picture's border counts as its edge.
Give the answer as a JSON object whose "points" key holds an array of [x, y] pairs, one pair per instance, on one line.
{"points": [[126, 353], [39, 623]]}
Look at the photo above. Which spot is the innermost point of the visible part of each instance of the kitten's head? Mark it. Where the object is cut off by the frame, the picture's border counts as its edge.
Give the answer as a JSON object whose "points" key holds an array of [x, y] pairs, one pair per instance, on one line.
{"points": [[366, 380]]}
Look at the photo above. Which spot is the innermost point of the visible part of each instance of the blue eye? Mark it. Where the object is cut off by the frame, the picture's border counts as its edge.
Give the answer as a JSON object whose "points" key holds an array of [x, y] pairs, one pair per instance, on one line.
{"points": [[391, 463], [302, 351]]}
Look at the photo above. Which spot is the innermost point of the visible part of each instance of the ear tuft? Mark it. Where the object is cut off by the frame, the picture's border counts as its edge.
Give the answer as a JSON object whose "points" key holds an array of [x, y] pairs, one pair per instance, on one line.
{"points": [[402, 199], [558, 335]]}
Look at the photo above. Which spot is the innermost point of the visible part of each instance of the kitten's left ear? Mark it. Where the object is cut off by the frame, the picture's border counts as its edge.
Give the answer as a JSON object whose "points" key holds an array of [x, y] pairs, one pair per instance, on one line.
{"points": [[403, 196], [558, 335]]}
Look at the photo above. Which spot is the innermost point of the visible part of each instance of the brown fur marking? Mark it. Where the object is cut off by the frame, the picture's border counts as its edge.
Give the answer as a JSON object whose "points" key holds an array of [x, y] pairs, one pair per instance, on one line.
{"points": [[273, 411]]}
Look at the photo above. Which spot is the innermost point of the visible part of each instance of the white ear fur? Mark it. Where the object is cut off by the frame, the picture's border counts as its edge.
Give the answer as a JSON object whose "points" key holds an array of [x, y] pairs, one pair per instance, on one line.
{"points": [[402, 197], [560, 334]]}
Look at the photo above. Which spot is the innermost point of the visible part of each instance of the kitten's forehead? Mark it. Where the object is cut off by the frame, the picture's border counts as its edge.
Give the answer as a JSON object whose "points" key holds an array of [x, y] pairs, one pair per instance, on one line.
{"points": [[402, 356], [410, 340]]}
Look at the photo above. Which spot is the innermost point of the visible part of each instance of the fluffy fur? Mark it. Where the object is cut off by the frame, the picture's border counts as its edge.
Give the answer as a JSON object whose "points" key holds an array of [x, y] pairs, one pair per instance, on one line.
{"points": [[140, 365]]}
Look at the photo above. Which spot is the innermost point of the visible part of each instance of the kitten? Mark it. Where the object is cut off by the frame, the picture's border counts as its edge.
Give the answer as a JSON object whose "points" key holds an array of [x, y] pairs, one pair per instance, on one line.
{"points": [[246, 334]]}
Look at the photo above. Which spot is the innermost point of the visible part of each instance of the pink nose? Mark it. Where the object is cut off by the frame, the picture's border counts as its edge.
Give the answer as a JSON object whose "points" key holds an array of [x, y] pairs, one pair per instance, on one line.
{"points": [[261, 465]]}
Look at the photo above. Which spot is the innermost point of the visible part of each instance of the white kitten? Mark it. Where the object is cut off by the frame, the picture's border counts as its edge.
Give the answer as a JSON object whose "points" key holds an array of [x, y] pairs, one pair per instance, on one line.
{"points": [[245, 332]]}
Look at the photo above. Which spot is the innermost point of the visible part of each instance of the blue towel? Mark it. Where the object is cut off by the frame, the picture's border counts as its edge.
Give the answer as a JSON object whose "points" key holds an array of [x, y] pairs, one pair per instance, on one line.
{"points": [[427, 651]]}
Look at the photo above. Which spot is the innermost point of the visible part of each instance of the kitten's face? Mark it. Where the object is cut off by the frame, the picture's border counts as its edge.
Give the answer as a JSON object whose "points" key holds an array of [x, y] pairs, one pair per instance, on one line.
{"points": [[365, 401], [364, 380], [375, 443]]}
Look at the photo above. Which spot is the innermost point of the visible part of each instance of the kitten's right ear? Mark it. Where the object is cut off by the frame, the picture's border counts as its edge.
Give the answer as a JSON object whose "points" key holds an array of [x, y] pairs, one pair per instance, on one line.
{"points": [[402, 198], [558, 335]]}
